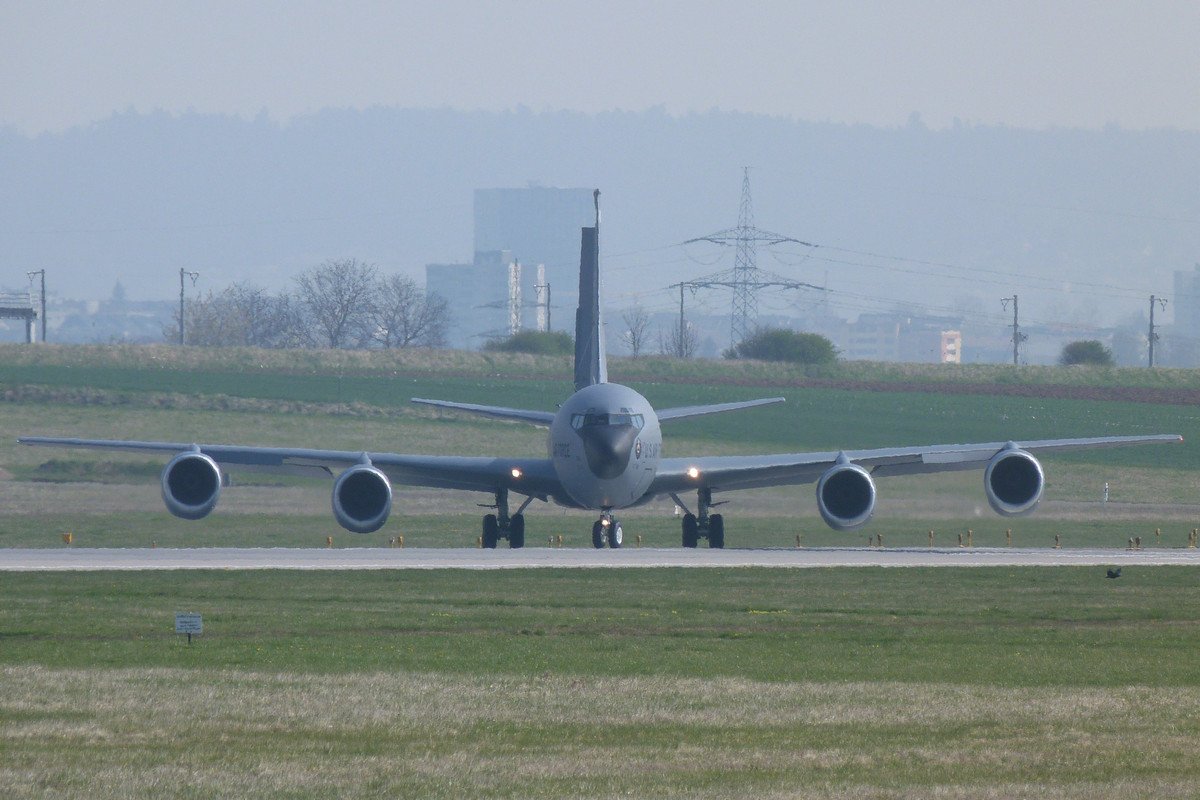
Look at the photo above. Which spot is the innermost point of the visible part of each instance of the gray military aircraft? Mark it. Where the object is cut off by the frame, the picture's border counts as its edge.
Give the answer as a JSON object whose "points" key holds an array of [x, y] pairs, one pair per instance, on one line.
{"points": [[605, 454]]}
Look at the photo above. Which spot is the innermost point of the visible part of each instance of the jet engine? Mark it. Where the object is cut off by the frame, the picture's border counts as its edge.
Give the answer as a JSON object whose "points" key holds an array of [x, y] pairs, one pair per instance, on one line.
{"points": [[1014, 482], [191, 485], [362, 499], [846, 496]]}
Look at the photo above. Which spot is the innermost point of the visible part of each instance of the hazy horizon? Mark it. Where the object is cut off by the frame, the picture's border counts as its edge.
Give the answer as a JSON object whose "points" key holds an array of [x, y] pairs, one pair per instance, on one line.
{"points": [[1023, 64]]}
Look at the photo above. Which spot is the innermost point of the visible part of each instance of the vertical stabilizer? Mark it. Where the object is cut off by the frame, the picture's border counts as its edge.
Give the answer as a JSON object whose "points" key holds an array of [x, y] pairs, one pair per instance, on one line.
{"points": [[590, 366]]}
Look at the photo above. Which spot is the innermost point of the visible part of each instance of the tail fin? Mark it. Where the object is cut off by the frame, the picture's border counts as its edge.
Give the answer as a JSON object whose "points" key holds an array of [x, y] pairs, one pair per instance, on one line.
{"points": [[590, 366]]}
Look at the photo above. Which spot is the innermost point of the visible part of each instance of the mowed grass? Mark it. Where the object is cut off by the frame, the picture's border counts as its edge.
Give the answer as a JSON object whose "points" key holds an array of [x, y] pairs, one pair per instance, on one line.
{"points": [[602, 683]]}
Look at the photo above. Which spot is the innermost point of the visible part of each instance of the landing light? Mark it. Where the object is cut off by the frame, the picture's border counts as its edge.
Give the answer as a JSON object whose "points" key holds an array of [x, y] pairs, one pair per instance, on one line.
{"points": [[516, 473], [692, 472]]}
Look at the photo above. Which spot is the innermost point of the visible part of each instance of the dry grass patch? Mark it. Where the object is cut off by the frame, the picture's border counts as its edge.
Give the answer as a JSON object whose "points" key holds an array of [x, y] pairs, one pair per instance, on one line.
{"points": [[164, 732]]}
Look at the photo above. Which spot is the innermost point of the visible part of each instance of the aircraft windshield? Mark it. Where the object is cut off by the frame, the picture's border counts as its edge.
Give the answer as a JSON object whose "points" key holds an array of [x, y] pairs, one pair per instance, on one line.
{"points": [[593, 419]]}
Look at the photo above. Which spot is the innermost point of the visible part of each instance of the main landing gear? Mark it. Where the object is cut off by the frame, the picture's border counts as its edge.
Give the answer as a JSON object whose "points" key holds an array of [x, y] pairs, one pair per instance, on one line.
{"points": [[502, 526], [607, 530], [702, 525]]}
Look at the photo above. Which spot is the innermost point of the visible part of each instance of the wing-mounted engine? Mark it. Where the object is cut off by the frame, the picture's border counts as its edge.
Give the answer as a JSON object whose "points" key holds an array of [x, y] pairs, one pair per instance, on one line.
{"points": [[1014, 482], [846, 496], [362, 499], [191, 485]]}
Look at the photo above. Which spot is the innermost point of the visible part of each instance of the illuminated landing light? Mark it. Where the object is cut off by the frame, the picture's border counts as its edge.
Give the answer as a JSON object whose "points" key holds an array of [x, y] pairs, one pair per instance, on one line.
{"points": [[693, 473], [605, 523], [516, 473]]}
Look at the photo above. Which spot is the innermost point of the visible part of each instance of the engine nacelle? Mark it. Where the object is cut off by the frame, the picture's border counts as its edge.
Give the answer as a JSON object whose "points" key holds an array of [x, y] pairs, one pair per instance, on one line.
{"points": [[191, 485], [1014, 482], [362, 499], [846, 496]]}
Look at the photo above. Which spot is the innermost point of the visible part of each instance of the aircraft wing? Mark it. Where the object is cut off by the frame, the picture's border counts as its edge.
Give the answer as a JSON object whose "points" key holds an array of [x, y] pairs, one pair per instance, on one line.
{"points": [[497, 412], [723, 473], [535, 476], [683, 412]]}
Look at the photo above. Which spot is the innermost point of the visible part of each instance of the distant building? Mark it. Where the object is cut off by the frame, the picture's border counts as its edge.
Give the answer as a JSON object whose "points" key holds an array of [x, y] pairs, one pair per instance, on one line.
{"points": [[903, 337], [1187, 302], [525, 272], [539, 225], [480, 297], [951, 347]]}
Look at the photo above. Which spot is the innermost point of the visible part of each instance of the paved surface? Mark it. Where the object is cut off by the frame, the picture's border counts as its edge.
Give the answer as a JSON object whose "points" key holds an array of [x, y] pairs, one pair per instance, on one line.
{"points": [[28, 560]]}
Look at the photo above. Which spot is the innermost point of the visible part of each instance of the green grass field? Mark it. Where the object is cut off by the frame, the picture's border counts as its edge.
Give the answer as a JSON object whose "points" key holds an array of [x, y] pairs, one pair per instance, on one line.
{"points": [[828, 683], [602, 683]]}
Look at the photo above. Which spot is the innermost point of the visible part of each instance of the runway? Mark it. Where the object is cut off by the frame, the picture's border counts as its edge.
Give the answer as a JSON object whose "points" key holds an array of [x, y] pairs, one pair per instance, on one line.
{"points": [[91, 559]]}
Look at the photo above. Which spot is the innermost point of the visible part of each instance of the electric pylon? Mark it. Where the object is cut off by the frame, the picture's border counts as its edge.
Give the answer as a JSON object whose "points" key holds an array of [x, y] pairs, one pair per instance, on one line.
{"points": [[746, 278]]}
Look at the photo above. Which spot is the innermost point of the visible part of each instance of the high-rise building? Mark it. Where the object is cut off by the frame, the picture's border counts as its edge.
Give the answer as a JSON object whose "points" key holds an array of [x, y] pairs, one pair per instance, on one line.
{"points": [[525, 273], [539, 225]]}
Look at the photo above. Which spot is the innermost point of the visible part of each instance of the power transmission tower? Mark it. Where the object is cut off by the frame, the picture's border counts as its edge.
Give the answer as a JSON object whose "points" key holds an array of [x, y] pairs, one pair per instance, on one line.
{"points": [[1017, 336], [1161, 302], [746, 279]]}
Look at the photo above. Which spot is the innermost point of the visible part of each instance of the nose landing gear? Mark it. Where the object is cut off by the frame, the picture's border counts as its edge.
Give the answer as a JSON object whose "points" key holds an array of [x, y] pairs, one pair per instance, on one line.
{"points": [[608, 530]]}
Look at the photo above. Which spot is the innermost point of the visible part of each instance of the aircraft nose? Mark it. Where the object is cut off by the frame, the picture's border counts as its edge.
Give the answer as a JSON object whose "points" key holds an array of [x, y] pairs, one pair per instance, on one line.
{"points": [[608, 448]]}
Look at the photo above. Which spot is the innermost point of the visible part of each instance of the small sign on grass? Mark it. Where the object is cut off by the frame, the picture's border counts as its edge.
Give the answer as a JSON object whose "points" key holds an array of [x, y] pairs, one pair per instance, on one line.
{"points": [[190, 624]]}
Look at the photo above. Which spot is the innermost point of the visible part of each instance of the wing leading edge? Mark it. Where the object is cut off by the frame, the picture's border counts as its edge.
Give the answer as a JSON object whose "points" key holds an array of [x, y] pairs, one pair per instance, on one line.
{"points": [[533, 477], [496, 412], [724, 473]]}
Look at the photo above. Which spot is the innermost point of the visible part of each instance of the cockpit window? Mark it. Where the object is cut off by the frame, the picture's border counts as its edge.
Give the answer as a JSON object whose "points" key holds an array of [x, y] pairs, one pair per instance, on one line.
{"points": [[593, 419]]}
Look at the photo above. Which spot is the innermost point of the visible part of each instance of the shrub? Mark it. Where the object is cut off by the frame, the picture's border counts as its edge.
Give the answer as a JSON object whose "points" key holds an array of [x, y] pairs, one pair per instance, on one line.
{"points": [[777, 344], [1087, 351], [542, 343]]}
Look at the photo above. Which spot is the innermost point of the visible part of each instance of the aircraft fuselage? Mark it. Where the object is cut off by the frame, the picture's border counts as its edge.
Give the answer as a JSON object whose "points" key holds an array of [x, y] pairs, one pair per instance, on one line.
{"points": [[605, 443]]}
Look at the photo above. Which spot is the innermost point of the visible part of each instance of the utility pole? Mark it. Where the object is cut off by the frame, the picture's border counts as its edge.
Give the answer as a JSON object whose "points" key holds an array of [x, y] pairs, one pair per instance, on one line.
{"points": [[1017, 336], [1161, 302], [41, 272], [682, 326], [193, 275]]}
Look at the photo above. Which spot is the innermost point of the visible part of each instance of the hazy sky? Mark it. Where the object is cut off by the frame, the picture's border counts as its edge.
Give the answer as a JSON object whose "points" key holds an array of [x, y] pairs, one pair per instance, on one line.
{"points": [[1019, 63]]}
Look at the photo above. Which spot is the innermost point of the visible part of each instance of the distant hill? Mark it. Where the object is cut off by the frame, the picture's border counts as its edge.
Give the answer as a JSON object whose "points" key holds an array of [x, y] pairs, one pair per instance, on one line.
{"points": [[138, 196]]}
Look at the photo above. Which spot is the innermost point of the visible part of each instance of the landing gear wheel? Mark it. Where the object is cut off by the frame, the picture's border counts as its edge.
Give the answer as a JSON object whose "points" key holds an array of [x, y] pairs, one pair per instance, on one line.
{"points": [[616, 536], [691, 530], [491, 532], [516, 531], [716, 531], [598, 535]]}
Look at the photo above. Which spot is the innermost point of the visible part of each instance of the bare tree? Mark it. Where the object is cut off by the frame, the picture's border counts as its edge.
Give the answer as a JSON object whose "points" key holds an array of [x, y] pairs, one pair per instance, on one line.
{"points": [[242, 315], [338, 297], [405, 316], [674, 344], [637, 330]]}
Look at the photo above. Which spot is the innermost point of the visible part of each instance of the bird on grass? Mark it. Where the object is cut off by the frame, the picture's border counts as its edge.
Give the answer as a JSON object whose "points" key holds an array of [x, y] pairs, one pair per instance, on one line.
{"points": [[1114, 573]]}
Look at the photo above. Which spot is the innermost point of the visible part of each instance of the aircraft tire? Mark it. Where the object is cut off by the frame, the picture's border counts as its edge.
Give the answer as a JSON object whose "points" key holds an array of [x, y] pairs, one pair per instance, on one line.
{"points": [[716, 531], [597, 535], [691, 530], [516, 531], [616, 535], [491, 532]]}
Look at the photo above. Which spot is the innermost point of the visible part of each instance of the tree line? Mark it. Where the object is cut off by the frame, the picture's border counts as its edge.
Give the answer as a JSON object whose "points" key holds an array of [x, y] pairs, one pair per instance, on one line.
{"points": [[337, 304]]}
